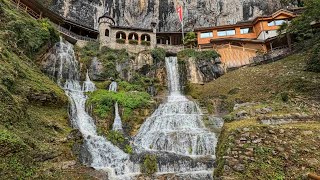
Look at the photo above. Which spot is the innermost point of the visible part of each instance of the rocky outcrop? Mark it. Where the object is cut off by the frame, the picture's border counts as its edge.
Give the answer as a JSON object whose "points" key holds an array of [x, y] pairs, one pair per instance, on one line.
{"points": [[203, 71], [142, 12]]}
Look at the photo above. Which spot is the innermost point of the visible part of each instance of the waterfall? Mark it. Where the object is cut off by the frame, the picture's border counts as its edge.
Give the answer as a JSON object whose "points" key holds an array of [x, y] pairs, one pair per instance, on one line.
{"points": [[113, 86], [174, 133], [117, 124], [176, 129], [103, 154]]}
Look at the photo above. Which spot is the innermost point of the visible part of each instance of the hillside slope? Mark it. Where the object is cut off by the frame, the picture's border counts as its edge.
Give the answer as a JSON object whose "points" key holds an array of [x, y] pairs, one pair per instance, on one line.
{"points": [[33, 109], [272, 115]]}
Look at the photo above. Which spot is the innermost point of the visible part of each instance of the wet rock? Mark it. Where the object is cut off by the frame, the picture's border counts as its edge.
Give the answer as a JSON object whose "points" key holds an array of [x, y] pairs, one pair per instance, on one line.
{"points": [[96, 69]]}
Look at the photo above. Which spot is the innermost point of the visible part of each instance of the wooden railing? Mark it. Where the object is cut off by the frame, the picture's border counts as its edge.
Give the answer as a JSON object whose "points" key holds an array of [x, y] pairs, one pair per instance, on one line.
{"points": [[66, 32], [62, 30]]}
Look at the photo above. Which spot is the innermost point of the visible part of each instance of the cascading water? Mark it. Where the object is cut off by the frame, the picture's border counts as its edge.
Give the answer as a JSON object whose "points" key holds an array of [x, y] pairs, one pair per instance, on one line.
{"points": [[103, 154], [117, 124], [176, 130], [174, 133]]}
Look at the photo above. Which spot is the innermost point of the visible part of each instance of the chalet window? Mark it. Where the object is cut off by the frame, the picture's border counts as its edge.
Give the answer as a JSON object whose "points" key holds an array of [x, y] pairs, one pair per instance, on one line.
{"points": [[276, 22], [246, 30], [279, 22], [206, 35], [229, 32], [106, 33], [271, 23]]}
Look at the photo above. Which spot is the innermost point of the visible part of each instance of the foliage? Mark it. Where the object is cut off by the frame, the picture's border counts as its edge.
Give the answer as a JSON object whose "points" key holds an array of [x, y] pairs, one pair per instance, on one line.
{"points": [[128, 149], [115, 137], [198, 55], [313, 59], [104, 101], [25, 34], [158, 54], [145, 43], [133, 42], [149, 165], [300, 26], [108, 57], [259, 84], [190, 39], [121, 41]]}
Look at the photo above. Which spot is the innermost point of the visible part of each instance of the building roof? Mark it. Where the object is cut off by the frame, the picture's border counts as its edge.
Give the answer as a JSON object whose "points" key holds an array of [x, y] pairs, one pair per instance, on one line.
{"points": [[132, 28], [248, 22]]}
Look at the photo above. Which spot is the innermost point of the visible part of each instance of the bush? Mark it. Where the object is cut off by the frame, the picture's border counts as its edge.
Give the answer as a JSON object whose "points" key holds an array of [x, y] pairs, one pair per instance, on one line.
{"points": [[104, 101], [145, 43], [116, 138], [313, 59], [284, 96], [198, 55], [158, 54], [121, 41], [149, 165], [29, 35], [133, 42]]}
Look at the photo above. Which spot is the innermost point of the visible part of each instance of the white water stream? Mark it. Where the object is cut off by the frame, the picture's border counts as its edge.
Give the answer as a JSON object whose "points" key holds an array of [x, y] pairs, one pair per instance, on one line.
{"points": [[174, 133]]}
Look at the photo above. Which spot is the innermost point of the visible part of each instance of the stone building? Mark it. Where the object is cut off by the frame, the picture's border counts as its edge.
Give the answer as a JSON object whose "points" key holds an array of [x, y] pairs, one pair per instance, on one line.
{"points": [[133, 39]]}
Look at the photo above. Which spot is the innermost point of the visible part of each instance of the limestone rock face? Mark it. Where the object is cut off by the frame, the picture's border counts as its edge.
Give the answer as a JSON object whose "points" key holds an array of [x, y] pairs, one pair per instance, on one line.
{"points": [[140, 13]]}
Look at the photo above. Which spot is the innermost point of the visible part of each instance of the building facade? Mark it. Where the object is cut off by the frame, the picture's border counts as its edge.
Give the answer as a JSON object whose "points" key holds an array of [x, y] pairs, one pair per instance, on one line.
{"points": [[239, 43]]}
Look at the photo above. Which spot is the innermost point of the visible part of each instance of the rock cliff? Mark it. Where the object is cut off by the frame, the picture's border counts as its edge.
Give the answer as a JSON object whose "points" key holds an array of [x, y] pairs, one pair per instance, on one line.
{"points": [[140, 13]]}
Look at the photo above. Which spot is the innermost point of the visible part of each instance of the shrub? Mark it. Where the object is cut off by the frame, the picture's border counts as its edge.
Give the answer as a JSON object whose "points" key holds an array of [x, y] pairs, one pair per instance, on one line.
{"points": [[198, 55], [149, 165], [158, 54], [284, 96], [115, 137], [121, 41], [145, 43], [313, 59], [128, 149], [133, 42]]}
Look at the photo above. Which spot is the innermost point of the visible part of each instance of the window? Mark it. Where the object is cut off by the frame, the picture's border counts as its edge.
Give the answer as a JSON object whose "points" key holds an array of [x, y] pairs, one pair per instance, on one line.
{"points": [[229, 32], [106, 33], [206, 35], [279, 22], [246, 30], [271, 23], [276, 22]]}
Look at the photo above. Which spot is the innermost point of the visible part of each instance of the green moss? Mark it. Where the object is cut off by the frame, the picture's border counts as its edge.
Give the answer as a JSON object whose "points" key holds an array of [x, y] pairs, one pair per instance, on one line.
{"points": [[149, 165]]}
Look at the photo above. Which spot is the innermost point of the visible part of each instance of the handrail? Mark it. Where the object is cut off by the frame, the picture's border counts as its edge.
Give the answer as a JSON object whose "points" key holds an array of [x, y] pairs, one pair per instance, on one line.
{"points": [[72, 34]]}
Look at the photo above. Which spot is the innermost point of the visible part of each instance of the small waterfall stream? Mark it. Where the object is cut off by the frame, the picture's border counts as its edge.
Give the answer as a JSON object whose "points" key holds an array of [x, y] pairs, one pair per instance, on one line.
{"points": [[175, 133], [103, 154], [176, 128]]}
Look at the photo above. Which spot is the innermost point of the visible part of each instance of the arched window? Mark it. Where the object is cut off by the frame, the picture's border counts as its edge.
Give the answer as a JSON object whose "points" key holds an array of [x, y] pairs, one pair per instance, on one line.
{"points": [[121, 35], [106, 33], [133, 36], [145, 37]]}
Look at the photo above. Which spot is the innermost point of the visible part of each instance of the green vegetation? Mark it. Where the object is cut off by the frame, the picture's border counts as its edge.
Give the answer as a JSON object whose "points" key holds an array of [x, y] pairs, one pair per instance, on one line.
{"points": [[158, 54], [121, 41], [108, 57], [198, 55], [149, 166], [23, 34], [190, 39], [133, 42], [33, 109], [264, 83], [132, 104], [308, 39], [145, 43]]}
